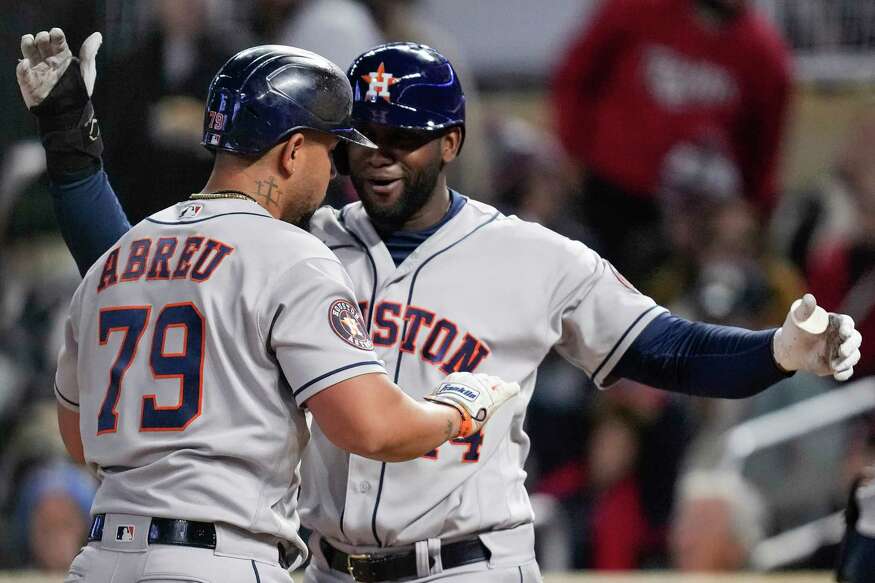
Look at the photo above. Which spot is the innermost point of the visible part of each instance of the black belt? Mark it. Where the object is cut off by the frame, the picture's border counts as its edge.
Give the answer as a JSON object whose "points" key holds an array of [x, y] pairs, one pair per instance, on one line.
{"points": [[172, 531], [373, 568]]}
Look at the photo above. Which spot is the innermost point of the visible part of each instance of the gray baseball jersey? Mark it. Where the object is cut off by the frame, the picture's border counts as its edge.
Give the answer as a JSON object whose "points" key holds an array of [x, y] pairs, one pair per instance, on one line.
{"points": [[189, 349], [489, 293]]}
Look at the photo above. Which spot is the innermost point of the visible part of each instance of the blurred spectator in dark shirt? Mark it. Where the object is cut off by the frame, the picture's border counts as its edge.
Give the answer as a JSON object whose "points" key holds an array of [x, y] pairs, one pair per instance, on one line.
{"points": [[532, 176], [153, 102], [646, 77], [719, 267], [824, 211]]}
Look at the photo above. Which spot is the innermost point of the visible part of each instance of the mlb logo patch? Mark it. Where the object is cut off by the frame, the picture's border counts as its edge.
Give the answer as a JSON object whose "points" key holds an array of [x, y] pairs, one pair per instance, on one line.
{"points": [[213, 139], [125, 533], [190, 211]]}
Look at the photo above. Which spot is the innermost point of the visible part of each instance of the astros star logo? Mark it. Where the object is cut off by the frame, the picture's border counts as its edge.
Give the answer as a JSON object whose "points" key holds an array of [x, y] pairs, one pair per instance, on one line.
{"points": [[350, 324], [379, 82]]}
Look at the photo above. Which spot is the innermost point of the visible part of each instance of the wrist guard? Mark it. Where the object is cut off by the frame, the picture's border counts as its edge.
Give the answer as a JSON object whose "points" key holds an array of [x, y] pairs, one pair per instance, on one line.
{"points": [[68, 128]]}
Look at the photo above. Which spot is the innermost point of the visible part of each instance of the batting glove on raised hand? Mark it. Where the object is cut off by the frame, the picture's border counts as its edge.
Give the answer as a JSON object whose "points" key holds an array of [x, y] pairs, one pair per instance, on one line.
{"points": [[816, 341], [57, 88], [47, 57], [475, 396]]}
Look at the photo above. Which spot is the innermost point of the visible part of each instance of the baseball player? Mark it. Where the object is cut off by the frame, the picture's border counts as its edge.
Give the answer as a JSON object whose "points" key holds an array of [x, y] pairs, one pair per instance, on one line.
{"points": [[195, 343], [450, 284]]}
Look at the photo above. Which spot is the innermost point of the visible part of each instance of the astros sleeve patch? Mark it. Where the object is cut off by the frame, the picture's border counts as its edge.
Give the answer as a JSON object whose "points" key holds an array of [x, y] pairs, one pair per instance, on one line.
{"points": [[347, 322]]}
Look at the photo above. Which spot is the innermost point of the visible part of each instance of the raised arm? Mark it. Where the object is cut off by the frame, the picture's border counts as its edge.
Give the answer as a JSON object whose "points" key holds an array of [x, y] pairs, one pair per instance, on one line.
{"points": [[612, 330], [57, 89], [722, 361]]}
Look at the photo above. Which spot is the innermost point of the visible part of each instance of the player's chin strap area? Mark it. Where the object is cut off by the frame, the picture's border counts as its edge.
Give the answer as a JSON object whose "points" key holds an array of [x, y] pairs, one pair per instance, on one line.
{"points": [[423, 559]]}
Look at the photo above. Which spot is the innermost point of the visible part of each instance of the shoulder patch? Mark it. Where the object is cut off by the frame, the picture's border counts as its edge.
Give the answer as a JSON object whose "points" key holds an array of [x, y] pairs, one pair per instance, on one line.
{"points": [[348, 324]]}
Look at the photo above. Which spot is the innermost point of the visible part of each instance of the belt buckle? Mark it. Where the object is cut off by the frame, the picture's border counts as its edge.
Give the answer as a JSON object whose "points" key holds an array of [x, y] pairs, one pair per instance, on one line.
{"points": [[350, 558]]}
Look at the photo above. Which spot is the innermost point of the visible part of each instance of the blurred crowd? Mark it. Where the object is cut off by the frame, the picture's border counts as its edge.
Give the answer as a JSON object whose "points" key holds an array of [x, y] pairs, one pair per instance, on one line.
{"points": [[668, 123]]}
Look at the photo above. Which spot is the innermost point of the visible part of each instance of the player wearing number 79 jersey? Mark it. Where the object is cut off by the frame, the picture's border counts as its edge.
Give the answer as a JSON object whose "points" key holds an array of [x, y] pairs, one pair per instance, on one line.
{"points": [[196, 342]]}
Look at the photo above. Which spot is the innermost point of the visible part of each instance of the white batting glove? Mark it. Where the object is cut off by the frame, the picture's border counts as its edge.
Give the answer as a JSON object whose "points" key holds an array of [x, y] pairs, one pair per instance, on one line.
{"points": [[816, 341], [475, 396], [46, 58]]}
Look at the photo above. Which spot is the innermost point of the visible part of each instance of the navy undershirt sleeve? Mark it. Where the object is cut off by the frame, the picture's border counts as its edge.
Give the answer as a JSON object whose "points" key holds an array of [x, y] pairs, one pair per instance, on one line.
{"points": [[701, 359], [90, 217]]}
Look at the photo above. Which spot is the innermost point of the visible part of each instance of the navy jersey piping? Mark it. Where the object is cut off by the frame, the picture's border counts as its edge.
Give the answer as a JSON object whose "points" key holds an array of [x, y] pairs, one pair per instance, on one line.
{"points": [[401, 354], [373, 269], [255, 569], [306, 385], [342, 219], [620, 341], [60, 394], [157, 222]]}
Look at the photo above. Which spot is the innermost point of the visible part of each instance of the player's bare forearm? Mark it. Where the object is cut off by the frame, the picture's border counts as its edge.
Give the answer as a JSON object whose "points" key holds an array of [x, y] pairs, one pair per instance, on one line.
{"points": [[423, 427], [68, 424], [370, 416]]}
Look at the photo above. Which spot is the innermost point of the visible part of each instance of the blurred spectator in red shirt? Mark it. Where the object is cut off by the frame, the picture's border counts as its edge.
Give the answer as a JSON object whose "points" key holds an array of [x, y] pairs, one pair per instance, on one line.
{"points": [[618, 494], [648, 77], [601, 494]]}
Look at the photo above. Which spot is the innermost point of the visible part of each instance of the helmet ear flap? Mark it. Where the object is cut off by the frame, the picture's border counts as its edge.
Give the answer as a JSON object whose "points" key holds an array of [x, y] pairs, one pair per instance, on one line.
{"points": [[341, 158]]}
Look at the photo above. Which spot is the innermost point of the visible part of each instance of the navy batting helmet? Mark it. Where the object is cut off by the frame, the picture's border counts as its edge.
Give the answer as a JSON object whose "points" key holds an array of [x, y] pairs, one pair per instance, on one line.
{"points": [[264, 94], [406, 85]]}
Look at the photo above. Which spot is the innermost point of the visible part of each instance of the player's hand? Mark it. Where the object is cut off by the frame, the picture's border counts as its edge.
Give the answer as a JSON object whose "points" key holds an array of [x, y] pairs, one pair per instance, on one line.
{"points": [[46, 57], [475, 396], [816, 341]]}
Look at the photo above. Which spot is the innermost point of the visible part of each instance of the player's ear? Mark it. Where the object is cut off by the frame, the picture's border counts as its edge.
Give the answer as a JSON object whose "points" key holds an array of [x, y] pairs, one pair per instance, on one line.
{"points": [[450, 143], [291, 154]]}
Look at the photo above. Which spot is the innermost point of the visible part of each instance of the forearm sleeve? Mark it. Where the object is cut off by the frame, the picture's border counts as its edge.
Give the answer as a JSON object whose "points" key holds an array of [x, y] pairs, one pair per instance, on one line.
{"points": [[701, 359], [90, 217]]}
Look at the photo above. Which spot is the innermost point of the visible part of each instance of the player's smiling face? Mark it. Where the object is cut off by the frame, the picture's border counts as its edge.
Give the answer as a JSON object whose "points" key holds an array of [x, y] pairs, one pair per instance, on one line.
{"points": [[397, 182]]}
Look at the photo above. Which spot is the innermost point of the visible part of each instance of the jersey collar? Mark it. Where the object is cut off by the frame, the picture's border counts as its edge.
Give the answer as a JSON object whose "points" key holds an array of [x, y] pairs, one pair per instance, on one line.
{"points": [[355, 219]]}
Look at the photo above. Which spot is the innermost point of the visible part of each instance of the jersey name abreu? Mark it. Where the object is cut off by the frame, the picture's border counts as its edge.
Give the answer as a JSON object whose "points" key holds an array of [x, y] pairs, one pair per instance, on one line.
{"points": [[438, 341], [194, 257]]}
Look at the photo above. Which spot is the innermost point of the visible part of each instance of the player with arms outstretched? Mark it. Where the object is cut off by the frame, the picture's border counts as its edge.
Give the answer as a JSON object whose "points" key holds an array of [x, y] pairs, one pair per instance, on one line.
{"points": [[196, 342], [450, 284]]}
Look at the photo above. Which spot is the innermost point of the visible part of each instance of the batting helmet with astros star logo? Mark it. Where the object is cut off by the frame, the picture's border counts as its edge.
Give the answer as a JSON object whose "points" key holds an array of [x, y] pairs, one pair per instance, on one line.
{"points": [[408, 86]]}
